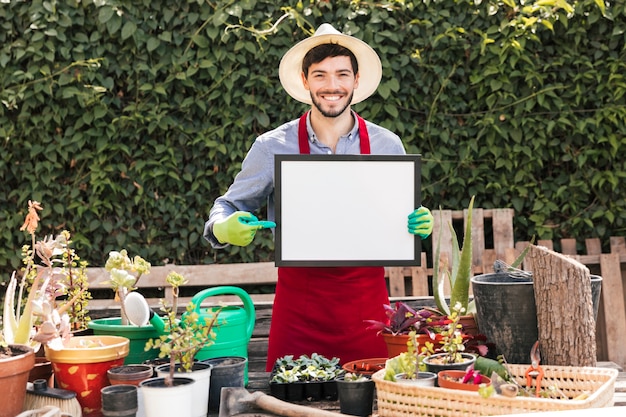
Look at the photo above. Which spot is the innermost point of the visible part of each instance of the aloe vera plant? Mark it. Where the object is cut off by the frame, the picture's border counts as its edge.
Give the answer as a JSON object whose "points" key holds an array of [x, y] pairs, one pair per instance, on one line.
{"points": [[459, 273]]}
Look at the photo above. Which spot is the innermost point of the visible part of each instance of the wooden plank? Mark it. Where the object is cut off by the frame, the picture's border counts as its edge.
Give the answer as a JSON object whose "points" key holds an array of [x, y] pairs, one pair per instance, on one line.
{"points": [[594, 247], [396, 282], [618, 244], [614, 309], [419, 278], [198, 275], [489, 257], [568, 246], [503, 236], [443, 220], [545, 243]]}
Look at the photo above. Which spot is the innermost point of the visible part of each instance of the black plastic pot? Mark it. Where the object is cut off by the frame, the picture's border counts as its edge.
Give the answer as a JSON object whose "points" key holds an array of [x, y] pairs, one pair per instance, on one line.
{"points": [[436, 367], [507, 315], [227, 371], [119, 400], [356, 398]]}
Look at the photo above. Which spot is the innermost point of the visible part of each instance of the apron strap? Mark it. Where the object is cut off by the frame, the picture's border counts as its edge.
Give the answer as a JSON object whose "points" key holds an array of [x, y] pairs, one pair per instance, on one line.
{"points": [[303, 135]]}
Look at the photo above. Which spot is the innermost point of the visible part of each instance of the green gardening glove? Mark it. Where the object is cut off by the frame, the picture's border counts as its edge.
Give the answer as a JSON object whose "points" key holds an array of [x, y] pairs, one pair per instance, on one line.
{"points": [[239, 228], [421, 222]]}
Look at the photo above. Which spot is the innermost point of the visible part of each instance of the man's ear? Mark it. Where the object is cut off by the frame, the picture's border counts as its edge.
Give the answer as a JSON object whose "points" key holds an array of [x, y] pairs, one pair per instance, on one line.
{"points": [[305, 82]]}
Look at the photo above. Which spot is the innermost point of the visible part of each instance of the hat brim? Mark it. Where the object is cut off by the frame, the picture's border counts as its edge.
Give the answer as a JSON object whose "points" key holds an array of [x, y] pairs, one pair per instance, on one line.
{"points": [[370, 67]]}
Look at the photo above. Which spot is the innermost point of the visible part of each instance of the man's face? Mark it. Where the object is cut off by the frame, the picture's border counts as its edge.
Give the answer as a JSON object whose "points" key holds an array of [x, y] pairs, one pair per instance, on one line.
{"points": [[331, 84]]}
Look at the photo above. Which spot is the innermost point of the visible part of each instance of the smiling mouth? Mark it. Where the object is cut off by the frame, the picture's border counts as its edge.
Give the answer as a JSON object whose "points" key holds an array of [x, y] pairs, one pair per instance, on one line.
{"points": [[331, 97]]}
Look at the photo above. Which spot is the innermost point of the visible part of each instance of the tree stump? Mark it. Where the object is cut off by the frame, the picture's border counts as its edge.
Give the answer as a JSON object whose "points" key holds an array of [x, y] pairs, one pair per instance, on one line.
{"points": [[566, 326]]}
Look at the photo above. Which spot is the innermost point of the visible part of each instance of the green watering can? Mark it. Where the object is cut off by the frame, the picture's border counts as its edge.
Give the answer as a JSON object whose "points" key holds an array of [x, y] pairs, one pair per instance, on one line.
{"points": [[234, 324]]}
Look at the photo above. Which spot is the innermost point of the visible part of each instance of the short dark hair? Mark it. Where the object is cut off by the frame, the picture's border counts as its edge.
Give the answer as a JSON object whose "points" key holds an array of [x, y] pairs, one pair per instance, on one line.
{"points": [[326, 50]]}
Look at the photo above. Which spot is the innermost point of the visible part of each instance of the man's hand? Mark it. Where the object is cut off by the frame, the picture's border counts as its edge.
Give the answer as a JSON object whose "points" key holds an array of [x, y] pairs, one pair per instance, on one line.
{"points": [[421, 222], [239, 228]]}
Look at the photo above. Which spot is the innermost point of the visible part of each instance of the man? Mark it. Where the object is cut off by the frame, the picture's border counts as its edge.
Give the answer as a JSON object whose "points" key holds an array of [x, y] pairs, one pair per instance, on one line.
{"points": [[317, 310]]}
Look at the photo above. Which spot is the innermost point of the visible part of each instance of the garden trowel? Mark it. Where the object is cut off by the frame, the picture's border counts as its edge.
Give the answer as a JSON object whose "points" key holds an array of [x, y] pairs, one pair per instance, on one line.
{"points": [[236, 400]]}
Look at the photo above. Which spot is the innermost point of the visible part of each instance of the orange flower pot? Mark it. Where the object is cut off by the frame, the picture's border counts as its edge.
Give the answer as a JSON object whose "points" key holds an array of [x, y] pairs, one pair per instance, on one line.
{"points": [[396, 344], [450, 379], [13, 378], [82, 367]]}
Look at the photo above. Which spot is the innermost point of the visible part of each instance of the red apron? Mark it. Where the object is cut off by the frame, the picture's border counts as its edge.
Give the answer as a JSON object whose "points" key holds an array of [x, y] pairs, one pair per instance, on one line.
{"points": [[322, 309]]}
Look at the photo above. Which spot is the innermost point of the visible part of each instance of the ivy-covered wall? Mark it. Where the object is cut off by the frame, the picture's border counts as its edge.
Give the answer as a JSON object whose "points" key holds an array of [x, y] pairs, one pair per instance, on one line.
{"points": [[127, 119]]}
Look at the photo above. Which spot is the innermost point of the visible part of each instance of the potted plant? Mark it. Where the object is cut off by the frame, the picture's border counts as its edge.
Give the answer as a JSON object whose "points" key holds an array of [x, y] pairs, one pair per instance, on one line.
{"points": [[457, 272], [452, 346], [356, 394], [124, 273], [34, 312], [466, 380], [310, 378], [403, 319], [183, 339], [16, 361]]}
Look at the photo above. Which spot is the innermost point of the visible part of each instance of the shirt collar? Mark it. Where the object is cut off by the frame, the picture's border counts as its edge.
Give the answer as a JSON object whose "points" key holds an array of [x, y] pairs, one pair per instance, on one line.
{"points": [[349, 136]]}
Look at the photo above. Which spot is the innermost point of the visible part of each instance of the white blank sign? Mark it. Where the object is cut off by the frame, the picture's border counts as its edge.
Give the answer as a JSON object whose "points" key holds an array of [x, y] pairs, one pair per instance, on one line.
{"points": [[346, 210]]}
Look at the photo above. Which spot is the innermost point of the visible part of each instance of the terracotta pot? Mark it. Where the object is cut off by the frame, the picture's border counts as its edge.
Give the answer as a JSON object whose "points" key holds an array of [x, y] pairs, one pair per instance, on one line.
{"points": [[365, 366], [129, 374], [13, 378], [82, 367], [449, 379], [396, 344], [469, 324]]}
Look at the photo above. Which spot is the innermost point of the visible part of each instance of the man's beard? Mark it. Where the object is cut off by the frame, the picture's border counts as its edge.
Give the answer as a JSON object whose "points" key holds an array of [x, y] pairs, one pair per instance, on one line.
{"points": [[333, 112]]}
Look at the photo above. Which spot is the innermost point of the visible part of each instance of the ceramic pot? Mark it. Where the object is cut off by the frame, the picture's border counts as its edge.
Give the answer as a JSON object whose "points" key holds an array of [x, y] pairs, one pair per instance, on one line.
{"points": [[356, 398], [365, 366], [469, 324], [119, 400], [227, 371], [82, 367], [161, 400], [129, 374], [450, 379], [201, 374], [14, 372], [396, 344]]}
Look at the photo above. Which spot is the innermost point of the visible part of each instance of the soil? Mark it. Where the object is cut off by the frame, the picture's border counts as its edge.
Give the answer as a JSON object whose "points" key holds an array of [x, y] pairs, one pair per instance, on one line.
{"points": [[13, 350]]}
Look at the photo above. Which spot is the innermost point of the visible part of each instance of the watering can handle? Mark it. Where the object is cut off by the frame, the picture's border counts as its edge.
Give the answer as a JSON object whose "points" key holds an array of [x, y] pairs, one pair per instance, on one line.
{"points": [[248, 305]]}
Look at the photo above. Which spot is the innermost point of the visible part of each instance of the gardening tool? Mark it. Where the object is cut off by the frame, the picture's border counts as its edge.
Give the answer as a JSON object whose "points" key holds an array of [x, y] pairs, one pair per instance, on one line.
{"points": [[534, 371], [139, 312], [40, 395], [238, 400]]}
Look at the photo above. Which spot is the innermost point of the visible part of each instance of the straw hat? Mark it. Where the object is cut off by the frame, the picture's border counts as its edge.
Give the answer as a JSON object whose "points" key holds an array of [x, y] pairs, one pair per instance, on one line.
{"points": [[370, 68]]}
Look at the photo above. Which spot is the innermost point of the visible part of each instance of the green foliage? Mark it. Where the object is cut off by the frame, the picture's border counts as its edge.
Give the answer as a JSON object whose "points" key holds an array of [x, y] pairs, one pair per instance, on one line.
{"points": [[129, 118], [458, 274]]}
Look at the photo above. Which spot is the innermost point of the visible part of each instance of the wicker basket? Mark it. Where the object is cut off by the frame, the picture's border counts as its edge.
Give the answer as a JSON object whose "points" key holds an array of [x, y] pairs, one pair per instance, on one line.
{"points": [[397, 400]]}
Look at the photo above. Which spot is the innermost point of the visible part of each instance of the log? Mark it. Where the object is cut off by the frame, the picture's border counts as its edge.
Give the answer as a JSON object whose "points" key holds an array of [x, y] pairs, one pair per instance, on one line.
{"points": [[566, 326]]}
